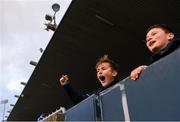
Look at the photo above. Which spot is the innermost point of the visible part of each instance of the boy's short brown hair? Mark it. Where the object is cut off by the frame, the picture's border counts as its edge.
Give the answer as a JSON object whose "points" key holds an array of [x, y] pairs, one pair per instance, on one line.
{"points": [[164, 27], [106, 59]]}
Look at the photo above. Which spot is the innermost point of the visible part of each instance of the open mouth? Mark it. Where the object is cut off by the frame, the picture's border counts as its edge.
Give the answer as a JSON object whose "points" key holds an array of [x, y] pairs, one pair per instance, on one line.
{"points": [[102, 78], [151, 43]]}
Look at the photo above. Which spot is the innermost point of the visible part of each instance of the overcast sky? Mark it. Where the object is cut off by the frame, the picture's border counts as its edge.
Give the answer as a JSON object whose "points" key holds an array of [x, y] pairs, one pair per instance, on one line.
{"points": [[22, 34]]}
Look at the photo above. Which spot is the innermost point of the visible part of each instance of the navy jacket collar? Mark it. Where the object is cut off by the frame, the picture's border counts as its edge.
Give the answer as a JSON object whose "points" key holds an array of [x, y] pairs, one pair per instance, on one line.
{"points": [[173, 45]]}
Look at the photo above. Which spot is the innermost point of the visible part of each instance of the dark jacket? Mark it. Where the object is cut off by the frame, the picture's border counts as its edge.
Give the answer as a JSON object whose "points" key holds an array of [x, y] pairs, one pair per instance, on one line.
{"points": [[76, 97], [172, 46]]}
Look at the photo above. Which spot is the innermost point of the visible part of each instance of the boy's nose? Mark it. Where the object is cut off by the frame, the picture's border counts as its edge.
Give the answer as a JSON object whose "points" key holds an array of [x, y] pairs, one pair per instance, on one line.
{"points": [[100, 72], [148, 39]]}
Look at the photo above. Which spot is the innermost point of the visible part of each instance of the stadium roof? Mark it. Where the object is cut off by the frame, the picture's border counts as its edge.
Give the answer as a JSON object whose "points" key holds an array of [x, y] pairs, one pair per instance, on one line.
{"points": [[89, 29]]}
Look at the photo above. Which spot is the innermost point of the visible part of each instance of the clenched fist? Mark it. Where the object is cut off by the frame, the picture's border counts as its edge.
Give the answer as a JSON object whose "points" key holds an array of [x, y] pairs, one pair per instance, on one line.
{"points": [[64, 79]]}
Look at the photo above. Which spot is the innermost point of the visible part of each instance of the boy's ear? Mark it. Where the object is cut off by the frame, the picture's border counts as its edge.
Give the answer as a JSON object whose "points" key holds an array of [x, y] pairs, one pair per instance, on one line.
{"points": [[114, 73], [170, 36]]}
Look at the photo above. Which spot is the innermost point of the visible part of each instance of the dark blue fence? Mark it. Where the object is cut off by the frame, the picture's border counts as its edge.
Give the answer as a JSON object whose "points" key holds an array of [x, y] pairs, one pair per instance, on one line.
{"points": [[155, 96]]}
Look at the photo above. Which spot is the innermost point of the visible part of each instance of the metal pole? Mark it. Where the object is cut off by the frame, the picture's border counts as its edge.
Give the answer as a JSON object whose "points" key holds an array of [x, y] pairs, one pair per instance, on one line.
{"points": [[4, 111]]}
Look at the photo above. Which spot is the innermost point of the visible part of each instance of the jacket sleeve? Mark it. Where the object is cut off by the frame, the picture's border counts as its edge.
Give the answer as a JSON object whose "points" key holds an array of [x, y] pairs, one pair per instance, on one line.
{"points": [[74, 96]]}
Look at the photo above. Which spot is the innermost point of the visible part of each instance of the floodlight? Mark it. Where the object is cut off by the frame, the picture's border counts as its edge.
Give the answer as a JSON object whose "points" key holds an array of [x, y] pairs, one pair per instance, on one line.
{"points": [[17, 96], [48, 17], [23, 83], [33, 63], [55, 7], [51, 24], [12, 105]]}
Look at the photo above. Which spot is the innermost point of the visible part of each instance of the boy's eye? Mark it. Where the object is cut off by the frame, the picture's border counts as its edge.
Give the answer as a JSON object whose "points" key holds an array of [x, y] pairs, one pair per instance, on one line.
{"points": [[153, 34], [103, 68]]}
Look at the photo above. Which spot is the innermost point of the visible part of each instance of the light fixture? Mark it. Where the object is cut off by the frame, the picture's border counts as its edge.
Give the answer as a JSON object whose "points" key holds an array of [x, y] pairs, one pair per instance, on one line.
{"points": [[12, 105], [55, 7], [33, 63], [17, 96], [105, 20], [41, 50], [50, 19], [23, 83], [9, 111]]}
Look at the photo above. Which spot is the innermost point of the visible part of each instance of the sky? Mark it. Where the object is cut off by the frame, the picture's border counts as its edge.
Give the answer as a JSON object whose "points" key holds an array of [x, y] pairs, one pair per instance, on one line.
{"points": [[22, 35]]}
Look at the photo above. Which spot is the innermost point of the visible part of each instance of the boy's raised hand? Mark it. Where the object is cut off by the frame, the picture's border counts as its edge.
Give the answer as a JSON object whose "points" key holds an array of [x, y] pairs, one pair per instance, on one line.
{"points": [[64, 79]]}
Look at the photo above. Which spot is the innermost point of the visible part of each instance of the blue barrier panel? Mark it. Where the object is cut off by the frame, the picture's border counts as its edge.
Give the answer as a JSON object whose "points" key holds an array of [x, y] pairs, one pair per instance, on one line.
{"points": [[84, 111], [155, 95], [111, 107]]}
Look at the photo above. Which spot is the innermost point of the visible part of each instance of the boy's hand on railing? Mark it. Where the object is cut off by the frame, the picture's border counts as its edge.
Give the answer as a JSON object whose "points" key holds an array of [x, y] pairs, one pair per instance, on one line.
{"points": [[136, 72]]}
